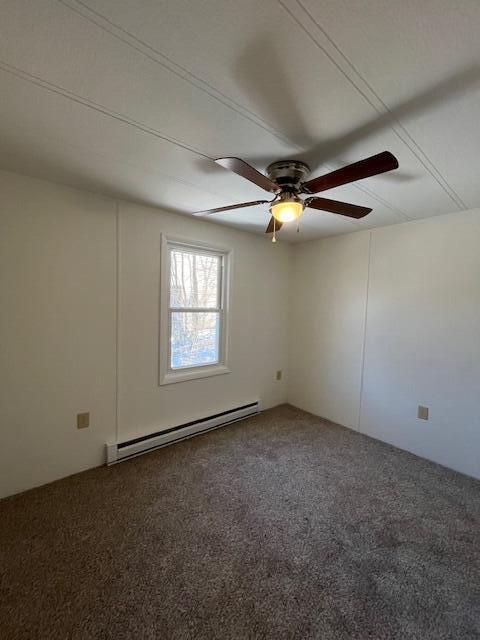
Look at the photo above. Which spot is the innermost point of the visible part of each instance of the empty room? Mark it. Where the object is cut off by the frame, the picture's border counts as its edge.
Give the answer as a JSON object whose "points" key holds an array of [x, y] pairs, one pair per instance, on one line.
{"points": [[239, 319]]}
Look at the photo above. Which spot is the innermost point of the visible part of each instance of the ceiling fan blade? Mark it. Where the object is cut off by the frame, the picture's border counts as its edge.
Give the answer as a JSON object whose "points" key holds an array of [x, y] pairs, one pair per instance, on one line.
{"points": [[334, 206], [273, 225], [372, 166], [207, 212], [248, 172]]}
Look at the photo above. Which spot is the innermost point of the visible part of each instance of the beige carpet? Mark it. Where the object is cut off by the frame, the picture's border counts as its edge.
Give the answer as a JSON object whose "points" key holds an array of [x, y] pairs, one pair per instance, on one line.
{"points": [[282, 526]]}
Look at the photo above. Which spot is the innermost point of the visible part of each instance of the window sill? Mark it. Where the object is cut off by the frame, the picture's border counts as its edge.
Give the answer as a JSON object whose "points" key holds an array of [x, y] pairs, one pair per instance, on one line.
{"points": [[192, 374]]}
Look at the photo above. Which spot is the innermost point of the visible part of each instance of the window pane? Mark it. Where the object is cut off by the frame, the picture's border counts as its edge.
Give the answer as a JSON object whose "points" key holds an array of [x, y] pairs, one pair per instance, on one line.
{"points": [[194, 279], [194, 339]]}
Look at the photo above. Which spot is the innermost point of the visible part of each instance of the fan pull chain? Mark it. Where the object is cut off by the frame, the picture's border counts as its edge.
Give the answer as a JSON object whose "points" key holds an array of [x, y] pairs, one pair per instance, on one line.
{"points": [[274, 237], [298, 225]]}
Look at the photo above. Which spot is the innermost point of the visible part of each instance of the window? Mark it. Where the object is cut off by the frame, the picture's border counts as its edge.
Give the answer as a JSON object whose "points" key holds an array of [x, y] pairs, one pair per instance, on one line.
{"points": [[193, 311]]}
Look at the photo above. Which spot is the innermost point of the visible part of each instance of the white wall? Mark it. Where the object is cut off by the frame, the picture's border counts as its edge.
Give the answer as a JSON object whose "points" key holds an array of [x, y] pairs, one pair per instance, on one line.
{"points": [[423, 339], [415, 285], [422, 335], [327, 326], [58, 327], [57, 330], [258, 324]]}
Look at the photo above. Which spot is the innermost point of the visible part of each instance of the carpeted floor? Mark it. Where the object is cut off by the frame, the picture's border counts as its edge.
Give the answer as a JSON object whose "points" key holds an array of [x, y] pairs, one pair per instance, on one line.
{"points": [[282, 526]]}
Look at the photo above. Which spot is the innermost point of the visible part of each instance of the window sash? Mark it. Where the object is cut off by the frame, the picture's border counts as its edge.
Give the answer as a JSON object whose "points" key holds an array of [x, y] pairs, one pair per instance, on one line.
{"points": [[220, 310], [220, 276], [218, 336]]}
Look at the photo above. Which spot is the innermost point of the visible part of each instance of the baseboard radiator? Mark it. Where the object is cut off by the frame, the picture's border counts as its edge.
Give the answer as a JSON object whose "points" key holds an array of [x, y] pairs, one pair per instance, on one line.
{"points": [[137, 446]]}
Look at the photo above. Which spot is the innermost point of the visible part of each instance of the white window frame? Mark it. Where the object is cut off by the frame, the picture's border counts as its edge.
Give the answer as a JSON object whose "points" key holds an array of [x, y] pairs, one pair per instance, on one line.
{"points": [[167, 375]]}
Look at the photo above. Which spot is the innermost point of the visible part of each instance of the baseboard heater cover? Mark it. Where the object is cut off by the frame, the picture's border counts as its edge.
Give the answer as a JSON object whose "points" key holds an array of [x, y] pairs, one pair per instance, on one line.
{"points": [[123, 450]]}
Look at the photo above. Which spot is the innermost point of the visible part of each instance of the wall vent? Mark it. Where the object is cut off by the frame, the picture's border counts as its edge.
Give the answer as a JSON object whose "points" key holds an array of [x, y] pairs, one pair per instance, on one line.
{"points": [[137, 446]]}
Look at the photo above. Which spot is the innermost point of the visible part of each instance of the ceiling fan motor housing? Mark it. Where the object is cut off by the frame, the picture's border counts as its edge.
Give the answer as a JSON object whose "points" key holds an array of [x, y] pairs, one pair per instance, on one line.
{"points": [[288, 174]]}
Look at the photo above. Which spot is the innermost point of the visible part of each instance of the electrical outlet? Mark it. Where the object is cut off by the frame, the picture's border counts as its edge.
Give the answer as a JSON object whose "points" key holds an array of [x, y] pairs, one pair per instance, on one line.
{"points": [[422, 412], [279, 375], [83, 420]]}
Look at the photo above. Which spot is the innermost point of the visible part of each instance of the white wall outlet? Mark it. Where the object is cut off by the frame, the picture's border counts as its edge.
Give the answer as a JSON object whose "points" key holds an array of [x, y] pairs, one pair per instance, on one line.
{"points": [[83, 420], [422, 413]]}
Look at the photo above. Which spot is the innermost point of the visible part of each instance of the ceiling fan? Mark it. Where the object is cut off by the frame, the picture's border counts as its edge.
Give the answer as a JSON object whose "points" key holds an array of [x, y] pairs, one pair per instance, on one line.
{"points": [[285, 179]]}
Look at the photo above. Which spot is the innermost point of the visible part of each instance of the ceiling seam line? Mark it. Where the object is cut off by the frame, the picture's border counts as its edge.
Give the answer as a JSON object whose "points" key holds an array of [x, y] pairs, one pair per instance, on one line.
{"points": [[438, 178], [37, 81], [127, 163], [441, 181], [221, 97], [449, 189], [170, 60], [385, 203], [44, 84], [70, 95], [267, 128], [453, 194]]}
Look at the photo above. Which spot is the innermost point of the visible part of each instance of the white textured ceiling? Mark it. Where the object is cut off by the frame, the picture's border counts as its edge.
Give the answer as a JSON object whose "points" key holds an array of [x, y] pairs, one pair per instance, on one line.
{"points": [[134, 99]]}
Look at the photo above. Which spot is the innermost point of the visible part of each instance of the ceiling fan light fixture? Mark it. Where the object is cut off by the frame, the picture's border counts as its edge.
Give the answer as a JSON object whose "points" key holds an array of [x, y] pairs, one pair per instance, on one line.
{"points": [[287, 210]]}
